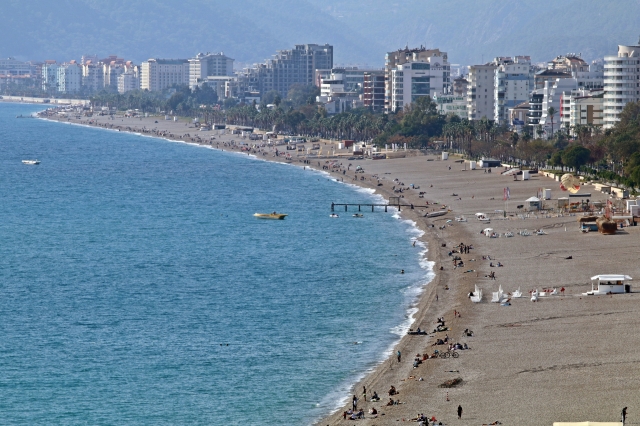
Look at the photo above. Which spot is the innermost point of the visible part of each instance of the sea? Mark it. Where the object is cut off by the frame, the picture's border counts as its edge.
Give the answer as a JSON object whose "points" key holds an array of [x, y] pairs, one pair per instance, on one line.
{"points": [[136, 287]]}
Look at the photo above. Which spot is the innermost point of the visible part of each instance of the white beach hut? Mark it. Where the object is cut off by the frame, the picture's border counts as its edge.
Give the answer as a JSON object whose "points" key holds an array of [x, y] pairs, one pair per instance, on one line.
{"points": [[533, 203], [609, 284]]}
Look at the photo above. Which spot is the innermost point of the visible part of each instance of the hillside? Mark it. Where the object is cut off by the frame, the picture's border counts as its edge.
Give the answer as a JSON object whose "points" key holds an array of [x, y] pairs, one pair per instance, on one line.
{"points": [[361, 30]]}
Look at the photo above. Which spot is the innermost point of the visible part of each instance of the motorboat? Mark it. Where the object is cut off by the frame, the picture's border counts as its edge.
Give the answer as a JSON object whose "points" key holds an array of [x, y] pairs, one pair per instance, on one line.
{"points": [[358, 215], [274, 215], [334, 215], [436, 213], [31, 162]]}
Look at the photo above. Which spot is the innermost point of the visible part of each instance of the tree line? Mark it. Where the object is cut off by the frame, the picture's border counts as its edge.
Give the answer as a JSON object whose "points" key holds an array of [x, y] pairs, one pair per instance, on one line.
{"points": [[613, 154]]}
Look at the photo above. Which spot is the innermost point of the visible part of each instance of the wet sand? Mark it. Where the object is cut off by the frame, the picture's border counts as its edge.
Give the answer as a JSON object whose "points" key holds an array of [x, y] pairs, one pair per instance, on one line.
{"points": [[565, 358]]}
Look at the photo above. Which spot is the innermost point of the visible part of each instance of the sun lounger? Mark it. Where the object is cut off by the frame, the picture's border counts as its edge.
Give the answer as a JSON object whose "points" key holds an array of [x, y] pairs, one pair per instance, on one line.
{"points": [[477, 295]]}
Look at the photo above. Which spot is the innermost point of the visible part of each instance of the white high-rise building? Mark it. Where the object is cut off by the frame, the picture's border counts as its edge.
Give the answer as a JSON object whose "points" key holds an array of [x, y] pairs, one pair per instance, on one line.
{"points": [[415, 79], [553, 93], [128, 81], [621, 82], [481, 92], [403, 56], [92, 76], [50, 76], [69, 77], [513, 81], [159, 74], [209, 65]]}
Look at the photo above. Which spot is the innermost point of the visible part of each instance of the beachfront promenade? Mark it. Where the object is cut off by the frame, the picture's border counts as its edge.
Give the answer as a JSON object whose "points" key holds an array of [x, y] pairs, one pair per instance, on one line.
{"points": [[565, 358]]}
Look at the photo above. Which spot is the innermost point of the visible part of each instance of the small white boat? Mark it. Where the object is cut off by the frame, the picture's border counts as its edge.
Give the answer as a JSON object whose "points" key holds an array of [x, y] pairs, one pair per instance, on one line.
{"points": [[274, 215], [31, 162], [333, 215], [358, 215], [436, 214]]}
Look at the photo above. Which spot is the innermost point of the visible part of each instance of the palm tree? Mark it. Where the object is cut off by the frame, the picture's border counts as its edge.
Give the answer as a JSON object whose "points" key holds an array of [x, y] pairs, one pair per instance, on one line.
{"points": [[552, 112]]}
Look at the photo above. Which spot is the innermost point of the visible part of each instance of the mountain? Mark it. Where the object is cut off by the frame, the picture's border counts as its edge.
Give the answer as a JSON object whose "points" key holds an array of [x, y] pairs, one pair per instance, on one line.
{"points": [[360, 30]]}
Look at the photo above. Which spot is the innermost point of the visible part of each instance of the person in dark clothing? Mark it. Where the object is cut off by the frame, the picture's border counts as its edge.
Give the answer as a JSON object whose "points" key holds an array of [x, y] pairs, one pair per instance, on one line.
{"points": [[624, 415], [459, 411]]}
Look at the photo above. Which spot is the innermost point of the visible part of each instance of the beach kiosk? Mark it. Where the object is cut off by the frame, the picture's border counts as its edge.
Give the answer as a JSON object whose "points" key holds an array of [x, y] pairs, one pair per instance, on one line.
{"points": [[609, 284], [533, 203]]}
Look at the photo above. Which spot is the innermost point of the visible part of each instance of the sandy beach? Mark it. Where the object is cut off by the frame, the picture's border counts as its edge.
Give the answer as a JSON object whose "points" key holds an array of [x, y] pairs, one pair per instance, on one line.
{"points": [[564, 358]]}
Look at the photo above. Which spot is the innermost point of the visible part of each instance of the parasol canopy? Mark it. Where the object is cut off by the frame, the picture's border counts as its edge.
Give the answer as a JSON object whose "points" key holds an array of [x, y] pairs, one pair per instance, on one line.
{"points": [[569, 182]]}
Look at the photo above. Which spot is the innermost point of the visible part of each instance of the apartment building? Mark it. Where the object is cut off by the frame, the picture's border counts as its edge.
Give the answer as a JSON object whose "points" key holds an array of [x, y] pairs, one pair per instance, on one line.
{"points": [[513, 81], [352, 77], [481, 92], [224, 86], [535, 109], [582, 107], [553, 94], [12, 67], [49, 76], [69, 77], [518, 115], [13, 72], [333, 96], [451, 104], [393, 60], [374, 90], [412, 80], [129, 80], [111, 71], [159, 74], [92, 75], [296, 66], [209, 65], [621, 82], [460, 85]]}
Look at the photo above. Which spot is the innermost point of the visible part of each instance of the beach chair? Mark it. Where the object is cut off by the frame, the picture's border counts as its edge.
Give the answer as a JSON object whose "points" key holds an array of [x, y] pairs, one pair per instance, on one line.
{"points": [[477, 295], [517, 293], [534, 295]]}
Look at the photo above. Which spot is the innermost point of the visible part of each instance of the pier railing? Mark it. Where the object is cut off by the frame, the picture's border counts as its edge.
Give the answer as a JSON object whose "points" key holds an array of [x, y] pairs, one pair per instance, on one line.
{"points": [[372, 205]]}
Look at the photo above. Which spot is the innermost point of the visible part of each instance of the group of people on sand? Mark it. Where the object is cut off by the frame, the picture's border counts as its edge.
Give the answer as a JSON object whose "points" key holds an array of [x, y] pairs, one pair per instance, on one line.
{"points": [[354, 413]]}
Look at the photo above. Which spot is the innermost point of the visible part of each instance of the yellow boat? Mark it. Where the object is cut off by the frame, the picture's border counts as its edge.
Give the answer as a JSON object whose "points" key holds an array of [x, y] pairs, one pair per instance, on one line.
{"points": [[274, 215]]}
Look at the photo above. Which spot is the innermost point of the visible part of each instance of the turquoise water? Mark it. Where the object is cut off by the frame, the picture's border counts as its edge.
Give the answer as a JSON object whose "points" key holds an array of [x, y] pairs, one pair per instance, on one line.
{"points": [[137, 288]]}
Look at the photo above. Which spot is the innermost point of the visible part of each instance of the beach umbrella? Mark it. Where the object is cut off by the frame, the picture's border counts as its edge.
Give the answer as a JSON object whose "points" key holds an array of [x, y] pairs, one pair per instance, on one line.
{"points": [[569, 182]]}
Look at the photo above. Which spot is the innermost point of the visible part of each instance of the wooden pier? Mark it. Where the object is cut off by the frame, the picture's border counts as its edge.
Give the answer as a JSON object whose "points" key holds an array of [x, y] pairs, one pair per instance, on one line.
{"points": [[373, 206]]}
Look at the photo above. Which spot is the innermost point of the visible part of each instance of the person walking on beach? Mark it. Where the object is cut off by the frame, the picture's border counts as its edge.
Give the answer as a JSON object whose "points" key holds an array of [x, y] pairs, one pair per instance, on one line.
{"points": [[364, 393], [624, 415], [354, 402], [399, 355], [459, 411]]}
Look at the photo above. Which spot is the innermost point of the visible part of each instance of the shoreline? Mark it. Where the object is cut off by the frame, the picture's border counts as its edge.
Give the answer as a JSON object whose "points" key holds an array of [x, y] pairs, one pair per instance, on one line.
{"points": [[554, 354], [427, 241]]}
